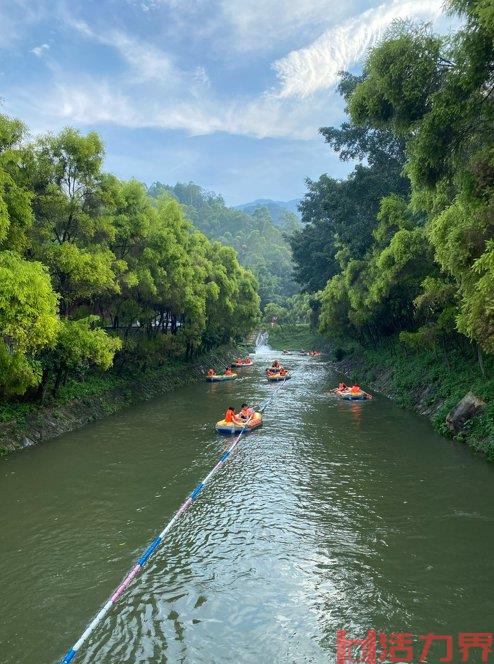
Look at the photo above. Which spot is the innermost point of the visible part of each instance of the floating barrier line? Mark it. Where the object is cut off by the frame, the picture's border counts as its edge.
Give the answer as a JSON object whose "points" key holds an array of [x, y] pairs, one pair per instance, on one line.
{"points": [[143, 559]]}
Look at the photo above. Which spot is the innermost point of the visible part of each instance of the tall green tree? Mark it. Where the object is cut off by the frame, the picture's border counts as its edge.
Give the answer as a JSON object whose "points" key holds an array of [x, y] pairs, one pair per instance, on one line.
{"points": [[16, 215], [444, 107], [28, 321], [339, 216]]}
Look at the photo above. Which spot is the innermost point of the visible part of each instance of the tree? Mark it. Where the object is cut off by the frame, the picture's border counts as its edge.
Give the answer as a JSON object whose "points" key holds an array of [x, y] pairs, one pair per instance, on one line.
{"points": [[444, 107], [274, 313], [80, 344], [400, 76], [93, 268], [15, 198], [72, 224], [28, 321], [339, 216]]}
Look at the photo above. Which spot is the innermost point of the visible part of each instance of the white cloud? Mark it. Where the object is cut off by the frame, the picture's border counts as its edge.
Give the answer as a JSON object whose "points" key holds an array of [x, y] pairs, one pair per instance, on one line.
{"points": [[261, 24], [146, 61], [316, 67], [152, 91], [17, 18], [39, 50], [88, 102], [11, 26], [249, 26], [201, 76]]}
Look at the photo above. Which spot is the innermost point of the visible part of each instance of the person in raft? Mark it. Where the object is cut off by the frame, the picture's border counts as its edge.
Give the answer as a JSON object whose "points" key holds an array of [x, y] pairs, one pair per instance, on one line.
{"points": [[239, 360], [283, 371], [228, 371], [274, 368], [356, 389], [245, 412], [211, 372], [230, 415]]}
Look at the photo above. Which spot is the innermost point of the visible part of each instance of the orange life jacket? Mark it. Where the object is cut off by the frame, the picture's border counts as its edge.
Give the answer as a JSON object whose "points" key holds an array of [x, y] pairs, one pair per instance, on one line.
{"points": [[229, 415], [356, 389]]}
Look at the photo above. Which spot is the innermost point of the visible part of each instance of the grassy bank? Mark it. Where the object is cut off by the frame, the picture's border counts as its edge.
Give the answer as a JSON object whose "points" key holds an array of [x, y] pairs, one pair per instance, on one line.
{"points": [[79, 402], [430, 383], [295, 337]]}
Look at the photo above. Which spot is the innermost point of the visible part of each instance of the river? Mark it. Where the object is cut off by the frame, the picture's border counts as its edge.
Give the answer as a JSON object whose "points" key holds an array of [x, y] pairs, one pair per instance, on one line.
{"points": [[333, 515]]}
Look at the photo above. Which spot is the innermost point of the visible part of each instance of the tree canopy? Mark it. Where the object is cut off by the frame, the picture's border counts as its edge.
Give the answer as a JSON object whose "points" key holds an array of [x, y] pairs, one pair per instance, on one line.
{"points": [[339, 216], [92, 268], [406, 242]]}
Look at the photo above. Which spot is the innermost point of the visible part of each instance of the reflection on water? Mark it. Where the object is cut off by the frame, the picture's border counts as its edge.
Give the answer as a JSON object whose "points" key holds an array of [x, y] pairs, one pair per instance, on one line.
{"points": [[356, 410], [333, 515]]}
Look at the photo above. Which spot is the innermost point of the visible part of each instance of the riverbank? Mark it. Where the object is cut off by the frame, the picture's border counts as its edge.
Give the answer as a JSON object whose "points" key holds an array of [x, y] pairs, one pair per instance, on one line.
{"points": [[26, 424], [430, 384]]}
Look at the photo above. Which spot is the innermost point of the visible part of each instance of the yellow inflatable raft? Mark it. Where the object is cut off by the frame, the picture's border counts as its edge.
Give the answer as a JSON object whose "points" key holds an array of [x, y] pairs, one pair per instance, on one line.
{"points": [[243, 363], [275, 378], [232, 427], [221, 377], [348, 395]]}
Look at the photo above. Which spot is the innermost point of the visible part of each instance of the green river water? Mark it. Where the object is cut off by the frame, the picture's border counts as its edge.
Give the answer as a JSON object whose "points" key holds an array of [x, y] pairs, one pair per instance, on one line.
{"points": [[333, 515]]}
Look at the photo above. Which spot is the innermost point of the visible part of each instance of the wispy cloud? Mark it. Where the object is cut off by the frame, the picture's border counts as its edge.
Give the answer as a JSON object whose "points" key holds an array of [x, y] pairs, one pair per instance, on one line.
{"points": [[11, 26], [39, 50], [255, 26], [88, 102], [315, 67], [260, 24], [146, 61], [92, 101]]}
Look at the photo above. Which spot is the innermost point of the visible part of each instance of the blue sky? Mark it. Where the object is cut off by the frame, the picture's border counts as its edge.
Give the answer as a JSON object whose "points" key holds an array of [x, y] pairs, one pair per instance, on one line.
{"points": [[227, 93]]}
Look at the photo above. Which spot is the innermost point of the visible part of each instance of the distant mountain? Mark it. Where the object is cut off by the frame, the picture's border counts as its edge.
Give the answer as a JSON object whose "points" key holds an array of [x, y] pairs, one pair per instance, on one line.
{"points": [[276, 208]]}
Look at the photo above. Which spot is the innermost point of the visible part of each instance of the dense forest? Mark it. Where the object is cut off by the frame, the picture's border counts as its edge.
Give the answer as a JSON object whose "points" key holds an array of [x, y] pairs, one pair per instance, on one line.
{"points": [[405, 245], [261, 244], [277, 209], [94, 271]]}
